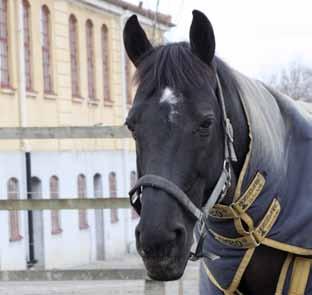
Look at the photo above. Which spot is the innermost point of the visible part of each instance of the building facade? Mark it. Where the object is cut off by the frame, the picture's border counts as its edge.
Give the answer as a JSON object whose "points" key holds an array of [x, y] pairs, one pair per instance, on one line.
{"points": [[62, 63]]}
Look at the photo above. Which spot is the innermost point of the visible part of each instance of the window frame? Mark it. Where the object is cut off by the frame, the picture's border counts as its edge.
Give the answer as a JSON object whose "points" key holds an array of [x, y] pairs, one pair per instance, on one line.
{"points": [[90, 50], [74, 56], [106, 65], [5, 74], [128, 74], [27, 46], [112, 186], [46, 49], [54, 191], [13, 193], [82, 194]]}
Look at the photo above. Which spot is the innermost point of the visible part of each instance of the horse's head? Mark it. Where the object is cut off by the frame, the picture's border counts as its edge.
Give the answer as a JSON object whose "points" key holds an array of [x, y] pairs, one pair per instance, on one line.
{"points": [[177, 125]]}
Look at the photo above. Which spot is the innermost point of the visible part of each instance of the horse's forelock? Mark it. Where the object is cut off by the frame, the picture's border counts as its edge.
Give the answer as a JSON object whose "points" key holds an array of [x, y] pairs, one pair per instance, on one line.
{"points": [[172, 65]]}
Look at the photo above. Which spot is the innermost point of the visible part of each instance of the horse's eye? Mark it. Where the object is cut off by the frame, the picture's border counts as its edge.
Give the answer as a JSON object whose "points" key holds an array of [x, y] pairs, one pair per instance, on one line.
{"points": [[205, 124], [204, 128]]}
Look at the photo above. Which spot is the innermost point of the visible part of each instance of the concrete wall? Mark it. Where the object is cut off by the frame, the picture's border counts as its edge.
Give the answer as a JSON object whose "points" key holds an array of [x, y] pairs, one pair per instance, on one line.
{"points": [[73, 246]]}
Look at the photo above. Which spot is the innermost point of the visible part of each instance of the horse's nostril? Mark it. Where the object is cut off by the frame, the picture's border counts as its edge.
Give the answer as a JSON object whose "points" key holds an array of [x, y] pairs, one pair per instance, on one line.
{"points": [[179, 235], [138, 235]]}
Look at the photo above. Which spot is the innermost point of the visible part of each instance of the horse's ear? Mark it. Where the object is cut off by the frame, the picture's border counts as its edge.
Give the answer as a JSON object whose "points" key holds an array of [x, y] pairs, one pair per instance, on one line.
{"points": [[202, 37], [135, 40]]}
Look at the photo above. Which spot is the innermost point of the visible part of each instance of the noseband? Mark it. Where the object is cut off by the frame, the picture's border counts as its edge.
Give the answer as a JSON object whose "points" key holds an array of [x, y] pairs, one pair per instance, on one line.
{"points": [[217, 195]]}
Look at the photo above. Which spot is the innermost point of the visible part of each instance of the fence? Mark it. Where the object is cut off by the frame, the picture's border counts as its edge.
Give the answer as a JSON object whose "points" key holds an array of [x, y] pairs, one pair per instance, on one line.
{"points": [[151, 287]]}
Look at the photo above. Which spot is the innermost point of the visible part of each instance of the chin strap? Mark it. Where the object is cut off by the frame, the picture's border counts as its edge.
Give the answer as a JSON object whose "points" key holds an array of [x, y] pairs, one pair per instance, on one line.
{"points": [[219, 192]]}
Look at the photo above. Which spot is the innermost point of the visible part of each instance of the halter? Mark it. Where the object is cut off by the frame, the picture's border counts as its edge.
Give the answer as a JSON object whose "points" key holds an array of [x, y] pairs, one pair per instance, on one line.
{"points": [[219, 192]]}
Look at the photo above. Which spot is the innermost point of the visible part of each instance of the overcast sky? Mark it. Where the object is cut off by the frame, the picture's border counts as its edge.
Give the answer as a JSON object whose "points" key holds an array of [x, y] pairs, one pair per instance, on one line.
{"points": [[255, 37]]}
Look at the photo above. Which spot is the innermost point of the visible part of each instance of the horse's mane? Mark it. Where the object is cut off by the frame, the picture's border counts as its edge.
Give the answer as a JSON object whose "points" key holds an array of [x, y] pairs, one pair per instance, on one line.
{"points": [[175, 66]]}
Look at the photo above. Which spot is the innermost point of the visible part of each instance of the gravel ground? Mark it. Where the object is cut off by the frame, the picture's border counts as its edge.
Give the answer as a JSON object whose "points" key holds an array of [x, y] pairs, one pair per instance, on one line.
{"points": [[189, 283]]}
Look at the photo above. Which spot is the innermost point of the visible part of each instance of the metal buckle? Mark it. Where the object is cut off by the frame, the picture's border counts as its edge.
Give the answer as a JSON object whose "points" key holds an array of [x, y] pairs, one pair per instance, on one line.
{"points": [[197, 253], [229, 129], [136, 198], [227, 184]]}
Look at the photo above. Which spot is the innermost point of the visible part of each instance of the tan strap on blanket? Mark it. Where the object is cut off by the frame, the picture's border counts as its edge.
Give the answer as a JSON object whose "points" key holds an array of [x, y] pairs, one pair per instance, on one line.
{"points": [[299, 276], [283, 275]]}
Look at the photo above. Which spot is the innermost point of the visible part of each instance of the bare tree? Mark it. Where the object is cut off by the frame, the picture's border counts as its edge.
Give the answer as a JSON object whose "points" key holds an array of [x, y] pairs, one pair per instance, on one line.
{"points": [[295, 80]]}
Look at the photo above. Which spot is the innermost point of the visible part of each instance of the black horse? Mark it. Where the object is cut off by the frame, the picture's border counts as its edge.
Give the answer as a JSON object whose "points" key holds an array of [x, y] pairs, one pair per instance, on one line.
{"points": [[177, 121]]}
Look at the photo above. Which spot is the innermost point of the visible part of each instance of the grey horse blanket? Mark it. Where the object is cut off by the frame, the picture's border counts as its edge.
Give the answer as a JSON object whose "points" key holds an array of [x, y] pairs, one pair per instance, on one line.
{"points": [[280, 150]]}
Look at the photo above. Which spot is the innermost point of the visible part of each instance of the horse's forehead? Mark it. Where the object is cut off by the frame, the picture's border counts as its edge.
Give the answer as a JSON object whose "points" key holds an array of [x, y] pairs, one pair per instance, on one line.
{"points": [[168, 96]]}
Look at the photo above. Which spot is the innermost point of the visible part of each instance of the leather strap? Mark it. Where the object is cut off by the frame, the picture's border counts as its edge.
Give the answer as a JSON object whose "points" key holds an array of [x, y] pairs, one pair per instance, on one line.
{"points": [[169, 187], [218, 191]]}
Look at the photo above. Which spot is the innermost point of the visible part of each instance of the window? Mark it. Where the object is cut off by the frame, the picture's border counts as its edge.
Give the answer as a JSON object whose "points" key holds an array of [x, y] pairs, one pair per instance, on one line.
{"points": [[14, 226], [74, 61], [128, 80], [90, 59], [82, 193], [55, 214], [97, 185], [113, 194], [46, 50], [133, 179], [105, 64], [4, 45], [27, 45]]}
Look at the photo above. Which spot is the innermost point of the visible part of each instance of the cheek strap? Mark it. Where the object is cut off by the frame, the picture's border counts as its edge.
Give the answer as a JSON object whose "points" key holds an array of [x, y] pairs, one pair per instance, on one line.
{"points": [[158, 182]]}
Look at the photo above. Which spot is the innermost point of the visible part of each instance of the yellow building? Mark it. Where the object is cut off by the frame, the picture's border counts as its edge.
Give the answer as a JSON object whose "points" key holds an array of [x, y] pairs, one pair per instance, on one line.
{"points": [[68, 55], [62, 63]]}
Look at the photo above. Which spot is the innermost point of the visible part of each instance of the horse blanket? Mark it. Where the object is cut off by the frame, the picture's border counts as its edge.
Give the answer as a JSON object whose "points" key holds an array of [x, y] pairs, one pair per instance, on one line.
{"points": [[273, 196]]}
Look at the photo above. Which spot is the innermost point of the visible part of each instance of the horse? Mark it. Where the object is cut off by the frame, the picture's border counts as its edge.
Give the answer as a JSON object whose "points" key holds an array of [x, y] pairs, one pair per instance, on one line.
{"points": [[214, 162]]}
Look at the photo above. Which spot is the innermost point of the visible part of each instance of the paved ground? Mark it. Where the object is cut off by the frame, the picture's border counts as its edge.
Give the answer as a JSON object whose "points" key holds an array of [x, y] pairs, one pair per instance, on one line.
{"points": [[189, 283]]}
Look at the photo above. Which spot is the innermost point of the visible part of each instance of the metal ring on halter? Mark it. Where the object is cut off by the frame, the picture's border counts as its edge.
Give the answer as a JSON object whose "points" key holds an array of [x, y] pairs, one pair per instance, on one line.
{"points": [[227, 184]]}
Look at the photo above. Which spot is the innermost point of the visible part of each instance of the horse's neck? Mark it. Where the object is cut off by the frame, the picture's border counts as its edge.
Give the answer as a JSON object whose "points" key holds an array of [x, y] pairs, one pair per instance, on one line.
{"points": [[236, 114]]}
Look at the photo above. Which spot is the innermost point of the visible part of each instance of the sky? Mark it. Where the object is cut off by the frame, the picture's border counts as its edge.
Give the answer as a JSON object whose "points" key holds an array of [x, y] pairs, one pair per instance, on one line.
{"points": [[256, 37]]}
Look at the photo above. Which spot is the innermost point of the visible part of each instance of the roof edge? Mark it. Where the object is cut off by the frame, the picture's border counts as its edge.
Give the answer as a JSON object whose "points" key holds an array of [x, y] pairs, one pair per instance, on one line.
{"points": [[164, 19]]}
